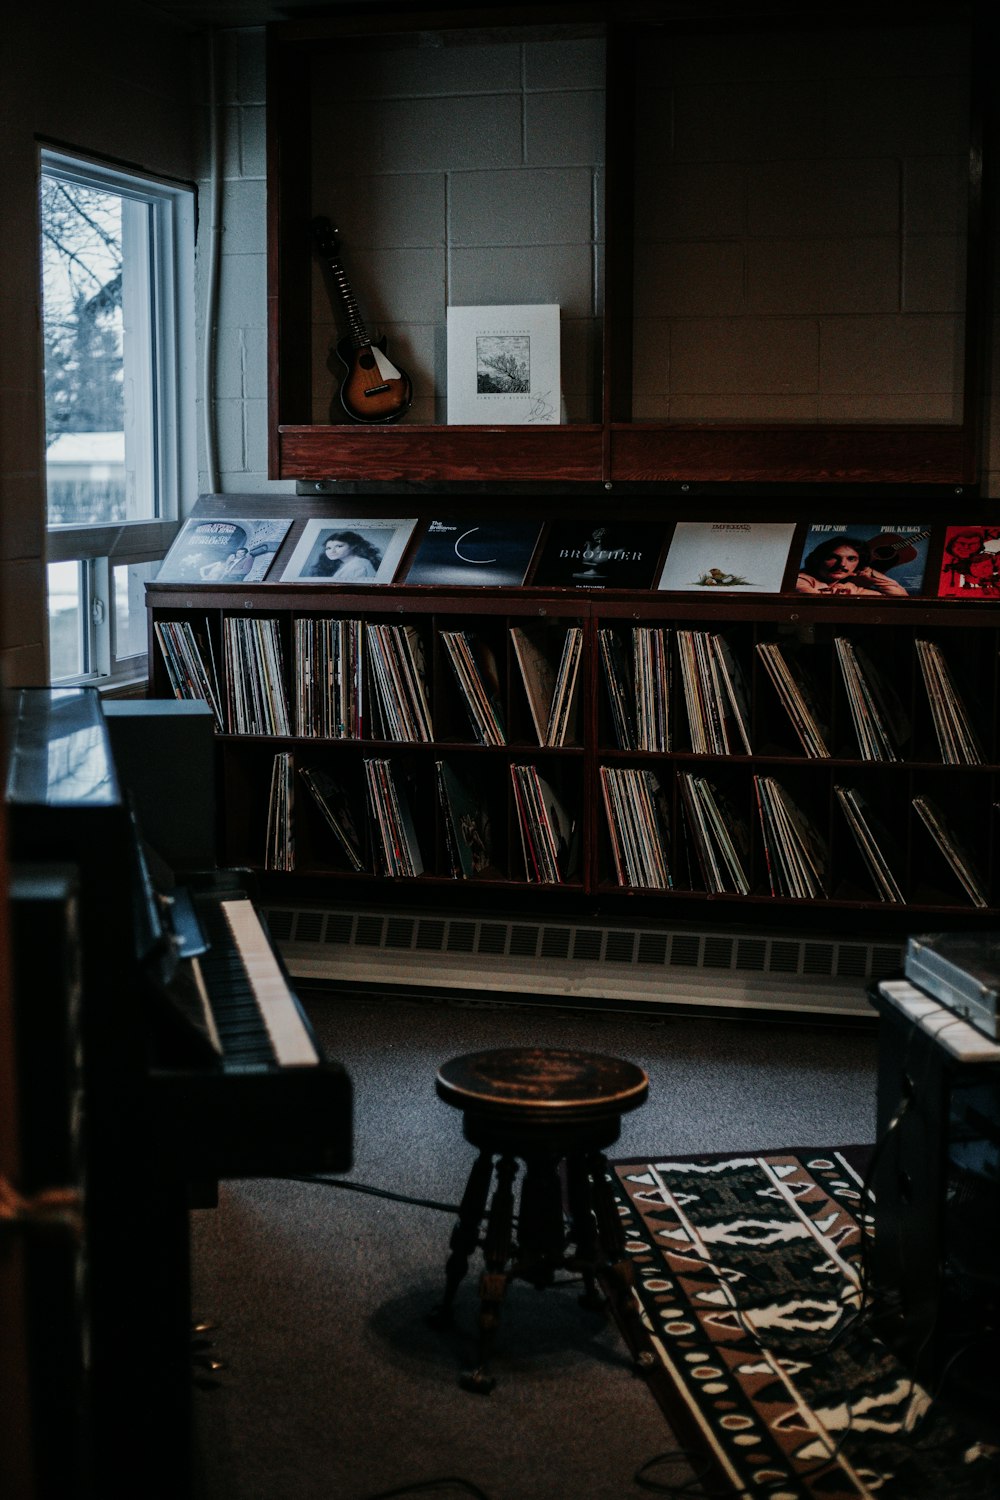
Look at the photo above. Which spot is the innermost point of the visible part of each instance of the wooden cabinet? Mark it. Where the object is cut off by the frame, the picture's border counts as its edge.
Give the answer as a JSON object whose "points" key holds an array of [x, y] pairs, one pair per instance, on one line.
{"points": [[733, 259], [589, 874]]}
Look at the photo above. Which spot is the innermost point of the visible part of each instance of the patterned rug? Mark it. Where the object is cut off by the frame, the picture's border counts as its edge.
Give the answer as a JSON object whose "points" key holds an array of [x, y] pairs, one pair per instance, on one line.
{"points": [[750, 1278]]}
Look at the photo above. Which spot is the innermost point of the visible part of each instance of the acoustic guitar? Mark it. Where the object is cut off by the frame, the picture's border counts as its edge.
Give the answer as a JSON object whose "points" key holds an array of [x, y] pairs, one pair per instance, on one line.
{"points": [[373, 389], [888, 551]]}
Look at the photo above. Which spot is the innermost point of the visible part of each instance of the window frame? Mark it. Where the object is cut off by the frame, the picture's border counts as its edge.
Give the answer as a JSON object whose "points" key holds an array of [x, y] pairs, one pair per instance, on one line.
{"points": [[167, 404]]}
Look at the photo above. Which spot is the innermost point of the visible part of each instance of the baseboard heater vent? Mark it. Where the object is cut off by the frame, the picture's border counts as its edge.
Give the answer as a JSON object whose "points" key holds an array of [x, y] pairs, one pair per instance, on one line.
{"points": [[581, 962]]}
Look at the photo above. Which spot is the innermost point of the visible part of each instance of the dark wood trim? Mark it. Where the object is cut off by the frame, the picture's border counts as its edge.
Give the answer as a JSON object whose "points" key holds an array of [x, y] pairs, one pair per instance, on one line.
{"points": [[806, 454], [572, 452]]}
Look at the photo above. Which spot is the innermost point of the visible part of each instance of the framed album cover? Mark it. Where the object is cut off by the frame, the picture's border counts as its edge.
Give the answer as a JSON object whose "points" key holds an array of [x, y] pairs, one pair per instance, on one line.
{"points": [[503, 364]]}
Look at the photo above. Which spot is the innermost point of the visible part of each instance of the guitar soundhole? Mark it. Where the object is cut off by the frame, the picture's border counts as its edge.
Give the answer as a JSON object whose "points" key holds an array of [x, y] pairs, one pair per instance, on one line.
{"points": [[366, 361]]}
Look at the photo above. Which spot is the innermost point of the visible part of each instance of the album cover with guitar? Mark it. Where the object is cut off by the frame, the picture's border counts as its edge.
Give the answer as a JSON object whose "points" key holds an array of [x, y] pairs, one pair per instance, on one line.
{"points": [[863, 560]]}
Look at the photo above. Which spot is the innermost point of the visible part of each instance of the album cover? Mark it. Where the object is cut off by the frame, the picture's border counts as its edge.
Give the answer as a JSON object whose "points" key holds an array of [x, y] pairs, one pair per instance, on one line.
{"points": [[222, 549], [970, 563], [869, 561], [487, 554], [731, 556], [503, 364], [338, 551], [621, 555]]}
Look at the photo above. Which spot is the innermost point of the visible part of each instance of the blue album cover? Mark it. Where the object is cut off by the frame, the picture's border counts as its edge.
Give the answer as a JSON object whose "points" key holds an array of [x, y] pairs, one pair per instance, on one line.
{"points": [[485, 554], [223, 549], [622, 555]]}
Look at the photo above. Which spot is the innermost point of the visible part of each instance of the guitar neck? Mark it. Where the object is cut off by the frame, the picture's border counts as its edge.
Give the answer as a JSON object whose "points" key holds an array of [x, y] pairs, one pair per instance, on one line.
{"points": [[358, 332]]}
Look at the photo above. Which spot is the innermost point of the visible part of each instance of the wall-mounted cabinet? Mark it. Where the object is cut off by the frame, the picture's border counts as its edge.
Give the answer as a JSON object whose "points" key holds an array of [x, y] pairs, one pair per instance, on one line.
{"points": [[764, 236]]}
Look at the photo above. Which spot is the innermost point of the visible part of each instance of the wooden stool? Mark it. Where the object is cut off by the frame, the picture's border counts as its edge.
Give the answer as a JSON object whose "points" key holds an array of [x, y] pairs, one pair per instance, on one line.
{"points": [[557, 1111]]}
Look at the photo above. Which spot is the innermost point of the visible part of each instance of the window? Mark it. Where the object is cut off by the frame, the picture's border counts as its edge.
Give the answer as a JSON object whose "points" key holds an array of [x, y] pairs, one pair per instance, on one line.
{"points": [[118, 326]]}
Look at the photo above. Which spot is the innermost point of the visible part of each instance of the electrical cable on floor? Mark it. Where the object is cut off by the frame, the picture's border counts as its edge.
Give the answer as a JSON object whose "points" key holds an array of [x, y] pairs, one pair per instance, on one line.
{"points": [[683, 1488], [432, 1487], [374, 1192]]}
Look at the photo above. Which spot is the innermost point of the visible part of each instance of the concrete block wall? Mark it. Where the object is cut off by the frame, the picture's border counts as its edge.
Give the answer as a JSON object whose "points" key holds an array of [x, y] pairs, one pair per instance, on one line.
{"points": [[461, 175], [801, 214]]}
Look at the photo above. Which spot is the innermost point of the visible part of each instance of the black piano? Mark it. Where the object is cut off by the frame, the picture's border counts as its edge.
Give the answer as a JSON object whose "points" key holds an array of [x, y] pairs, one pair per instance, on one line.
{"points": [[186, 1057]]}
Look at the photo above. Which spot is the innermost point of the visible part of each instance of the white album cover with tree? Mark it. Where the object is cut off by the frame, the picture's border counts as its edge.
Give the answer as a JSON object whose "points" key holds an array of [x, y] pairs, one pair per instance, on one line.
{"points": [[503, 364], [735, 556]]}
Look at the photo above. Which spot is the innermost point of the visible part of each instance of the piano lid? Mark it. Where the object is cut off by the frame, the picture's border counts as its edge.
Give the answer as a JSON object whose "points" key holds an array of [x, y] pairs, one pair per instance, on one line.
{"points": [[59, 753]]}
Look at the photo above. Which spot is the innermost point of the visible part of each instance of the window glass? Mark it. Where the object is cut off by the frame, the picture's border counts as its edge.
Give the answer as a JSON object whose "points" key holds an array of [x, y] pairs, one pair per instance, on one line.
{"points": [[117, 299]]}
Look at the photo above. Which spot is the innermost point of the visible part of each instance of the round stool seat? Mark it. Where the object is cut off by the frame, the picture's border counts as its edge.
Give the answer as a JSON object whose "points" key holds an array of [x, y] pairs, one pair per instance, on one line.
{"points": [[541, 1085]]}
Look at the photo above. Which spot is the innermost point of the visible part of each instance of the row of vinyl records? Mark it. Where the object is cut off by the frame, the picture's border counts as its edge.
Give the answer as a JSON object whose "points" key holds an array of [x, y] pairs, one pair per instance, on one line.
{"points": [[356, 679], [376, 833], [716, 841]]}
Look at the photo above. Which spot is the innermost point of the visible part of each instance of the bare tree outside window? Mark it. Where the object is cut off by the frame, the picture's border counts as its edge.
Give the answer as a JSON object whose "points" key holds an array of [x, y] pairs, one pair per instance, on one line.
{"points": [[82, 238]]}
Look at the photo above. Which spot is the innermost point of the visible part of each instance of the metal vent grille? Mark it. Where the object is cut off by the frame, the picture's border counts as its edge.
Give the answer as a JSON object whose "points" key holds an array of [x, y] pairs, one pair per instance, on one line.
{"points": [[309, 927], [280, 923], [398, 932], [784, 957], [555, 942], [523, 942], [685, 949], [430, 936], [652, 948], [718, 953], [339, 927], [493, 937], [587, 944], [461, 937], [751, 953], [523, 956], [619, 947], [817, 958], [852, 961]]}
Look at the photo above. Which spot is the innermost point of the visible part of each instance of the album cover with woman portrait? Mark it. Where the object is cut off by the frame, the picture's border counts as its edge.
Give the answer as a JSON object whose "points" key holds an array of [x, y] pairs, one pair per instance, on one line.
{"points": [[970, 563], [338, 551], [863, 560]]}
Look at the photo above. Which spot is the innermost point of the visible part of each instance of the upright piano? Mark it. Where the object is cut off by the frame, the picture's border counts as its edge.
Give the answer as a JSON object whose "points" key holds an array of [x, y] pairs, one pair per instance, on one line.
{"points": [[196, 1062]]}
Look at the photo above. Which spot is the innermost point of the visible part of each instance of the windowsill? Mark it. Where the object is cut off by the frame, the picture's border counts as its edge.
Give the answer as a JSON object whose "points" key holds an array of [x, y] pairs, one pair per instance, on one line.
{"points": [[110, 687]]}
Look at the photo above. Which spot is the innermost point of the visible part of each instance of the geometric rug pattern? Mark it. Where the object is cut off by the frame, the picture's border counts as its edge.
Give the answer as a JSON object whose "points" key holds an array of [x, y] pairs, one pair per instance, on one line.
{"points": [[749, 1274]]}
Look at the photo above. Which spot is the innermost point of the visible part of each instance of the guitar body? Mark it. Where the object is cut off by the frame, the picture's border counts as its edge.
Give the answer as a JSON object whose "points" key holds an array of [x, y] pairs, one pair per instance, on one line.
{"points": [[373, 388], [887, 551]]}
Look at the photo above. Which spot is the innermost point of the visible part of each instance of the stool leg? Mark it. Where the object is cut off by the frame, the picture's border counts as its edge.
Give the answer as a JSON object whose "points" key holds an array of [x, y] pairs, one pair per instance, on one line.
{"points": [[465, 1235], [618, 1270], [541, 1228], [493, 1283], [580, 1196]]}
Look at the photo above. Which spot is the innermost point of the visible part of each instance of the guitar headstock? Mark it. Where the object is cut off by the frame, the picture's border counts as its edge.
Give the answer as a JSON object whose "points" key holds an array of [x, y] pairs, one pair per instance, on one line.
{"points": [[325, 236]]}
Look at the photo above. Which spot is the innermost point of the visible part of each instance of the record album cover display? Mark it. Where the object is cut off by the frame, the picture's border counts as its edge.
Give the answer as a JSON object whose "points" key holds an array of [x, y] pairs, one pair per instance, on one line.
{"points": [[339, 551], [970, 563], [616, 555], [503, 364], [870, 561], [485, 554], [223, 549], [732, 556]]}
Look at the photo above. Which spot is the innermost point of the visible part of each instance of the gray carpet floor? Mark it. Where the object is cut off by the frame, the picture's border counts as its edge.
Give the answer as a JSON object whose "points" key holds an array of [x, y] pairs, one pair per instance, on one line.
{"points": [[335, 1388]]}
